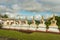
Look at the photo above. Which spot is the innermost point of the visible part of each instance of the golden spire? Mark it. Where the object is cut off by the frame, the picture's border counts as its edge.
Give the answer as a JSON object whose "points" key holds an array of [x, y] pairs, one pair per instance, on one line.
{"points": [[19, 19], [42, 20], [53, 16], [53, 21], [33, 20], [26, 20]]}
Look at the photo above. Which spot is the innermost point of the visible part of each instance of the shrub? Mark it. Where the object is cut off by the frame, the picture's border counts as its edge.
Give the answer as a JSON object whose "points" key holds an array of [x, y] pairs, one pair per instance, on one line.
{"points": [[1, 25]]}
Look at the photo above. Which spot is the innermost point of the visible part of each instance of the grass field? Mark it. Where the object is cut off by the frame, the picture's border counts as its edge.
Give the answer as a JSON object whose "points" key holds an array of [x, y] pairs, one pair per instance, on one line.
{"points": [[29, 36]]}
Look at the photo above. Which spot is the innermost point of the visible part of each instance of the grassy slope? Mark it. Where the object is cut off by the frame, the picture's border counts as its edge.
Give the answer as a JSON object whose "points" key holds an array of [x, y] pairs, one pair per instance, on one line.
{"points": [[32, 36]]}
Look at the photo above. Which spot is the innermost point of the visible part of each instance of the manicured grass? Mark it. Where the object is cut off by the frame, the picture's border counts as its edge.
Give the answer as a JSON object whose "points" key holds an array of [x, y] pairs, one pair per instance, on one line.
{"points": [[29, 36]]}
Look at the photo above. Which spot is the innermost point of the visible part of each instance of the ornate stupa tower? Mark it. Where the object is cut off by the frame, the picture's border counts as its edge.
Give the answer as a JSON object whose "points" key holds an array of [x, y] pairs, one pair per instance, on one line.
{"points": [[42, 20], [25, 26], [33, 21], [26, 20], [19, 20], [42, 26], [53, 21], [53, 26], [33, 26]]}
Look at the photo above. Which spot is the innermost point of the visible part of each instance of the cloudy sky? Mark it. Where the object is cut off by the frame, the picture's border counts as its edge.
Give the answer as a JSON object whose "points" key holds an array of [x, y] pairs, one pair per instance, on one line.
{"points": [[30, 7]]}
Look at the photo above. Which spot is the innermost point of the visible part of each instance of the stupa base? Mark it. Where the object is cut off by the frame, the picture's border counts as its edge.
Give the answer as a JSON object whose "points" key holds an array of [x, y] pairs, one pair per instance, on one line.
{"points": [[32, 29], [41, 29], [53, 30], [24, 28], [6, 27]]}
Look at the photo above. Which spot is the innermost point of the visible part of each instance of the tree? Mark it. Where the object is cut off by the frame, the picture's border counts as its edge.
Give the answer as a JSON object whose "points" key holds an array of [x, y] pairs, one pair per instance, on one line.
{"points": [[1, 25], [1, 16], [58, 21], [5, 16]]}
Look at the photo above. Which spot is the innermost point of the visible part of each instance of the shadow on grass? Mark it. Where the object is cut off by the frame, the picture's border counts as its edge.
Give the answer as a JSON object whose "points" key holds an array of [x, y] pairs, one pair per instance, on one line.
{"points": [[6, 38]]}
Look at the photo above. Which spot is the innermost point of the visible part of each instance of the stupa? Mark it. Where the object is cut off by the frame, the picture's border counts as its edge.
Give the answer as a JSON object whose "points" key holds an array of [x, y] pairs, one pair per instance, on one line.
{"points": [[16, 25], [42, 26], [33, 26], [6, 24], [25, 25], [53, 26], [12, 24], [1, 21]]}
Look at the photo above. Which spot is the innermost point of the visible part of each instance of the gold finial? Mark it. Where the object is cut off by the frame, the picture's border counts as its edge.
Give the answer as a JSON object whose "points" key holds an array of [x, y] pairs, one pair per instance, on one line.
{"points": [[42, 20], [33, 20], [42, 17], [19, 20], [53, 16], [19, 17], [26, 20]]}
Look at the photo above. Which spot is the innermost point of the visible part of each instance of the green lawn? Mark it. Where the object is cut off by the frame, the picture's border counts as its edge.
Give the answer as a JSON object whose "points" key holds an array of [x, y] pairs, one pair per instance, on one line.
{"points": [[31, 36]]}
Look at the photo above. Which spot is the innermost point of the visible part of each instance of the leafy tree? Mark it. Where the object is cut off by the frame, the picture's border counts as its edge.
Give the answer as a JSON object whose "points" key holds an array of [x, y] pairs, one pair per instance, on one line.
{"points": [[29, 22], [58, 21], [5, 16], [37, 22], [1, 25], [1, 16], [47, 23]]}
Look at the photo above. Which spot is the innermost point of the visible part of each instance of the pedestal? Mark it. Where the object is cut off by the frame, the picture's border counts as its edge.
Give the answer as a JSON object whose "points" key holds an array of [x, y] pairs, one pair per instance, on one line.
{"points": [[41, 27], [5, 27], [53, 29], [12, 26], [25, 27], [33, 28], [17, 27]]}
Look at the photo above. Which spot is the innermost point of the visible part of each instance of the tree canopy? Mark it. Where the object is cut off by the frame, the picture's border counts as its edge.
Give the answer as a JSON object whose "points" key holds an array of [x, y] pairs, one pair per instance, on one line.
{"points": [[3, 16]]}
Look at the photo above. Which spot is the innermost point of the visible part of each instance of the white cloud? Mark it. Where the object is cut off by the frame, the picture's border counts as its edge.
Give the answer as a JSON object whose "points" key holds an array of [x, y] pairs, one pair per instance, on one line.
{"points": [[51, 5], [3, 9], [12, 15], [37, 17], [29, 5], [16, 7], [51, 1]]}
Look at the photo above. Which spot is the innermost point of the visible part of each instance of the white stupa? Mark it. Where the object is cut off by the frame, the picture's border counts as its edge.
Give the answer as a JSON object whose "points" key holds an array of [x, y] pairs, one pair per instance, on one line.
{"points": [[33, 26], [12, 24], [53, 26], [41, 26], [16, 25], [25, 26], [6, 24]]}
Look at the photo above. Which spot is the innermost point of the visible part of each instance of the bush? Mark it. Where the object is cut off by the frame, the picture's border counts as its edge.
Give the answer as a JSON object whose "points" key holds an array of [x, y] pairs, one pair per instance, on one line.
{"points": [[1, 25]]}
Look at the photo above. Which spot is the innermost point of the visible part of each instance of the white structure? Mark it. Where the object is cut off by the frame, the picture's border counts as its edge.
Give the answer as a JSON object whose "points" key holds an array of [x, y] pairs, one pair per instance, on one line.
{"points": [[19, 25], [41, 26], [16, 25], [53, 26], [1, 21], [25, 25], [11, 24], [33, 26], [6, 24]]}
